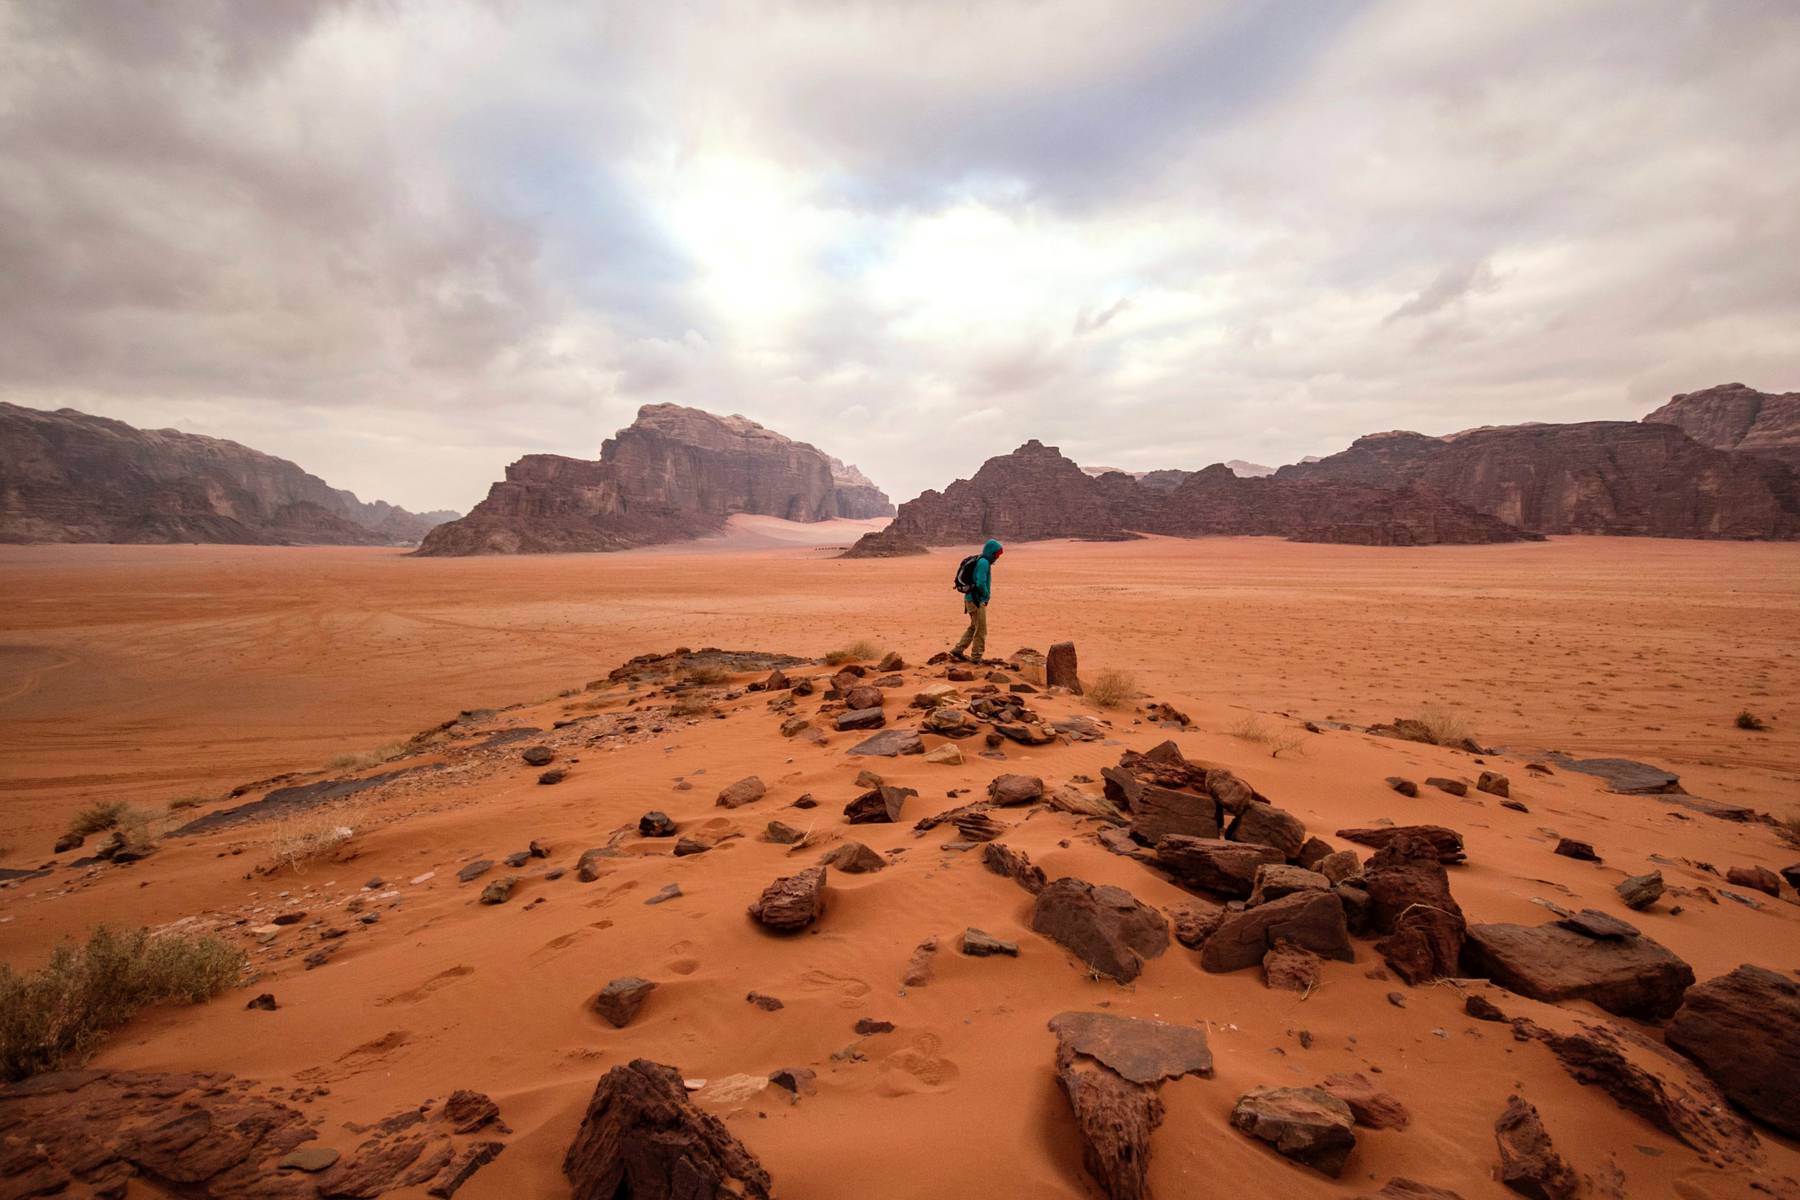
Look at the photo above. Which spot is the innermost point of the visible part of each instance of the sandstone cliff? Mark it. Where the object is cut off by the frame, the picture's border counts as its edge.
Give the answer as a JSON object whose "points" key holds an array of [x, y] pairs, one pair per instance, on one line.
{"points": [[1734, 417], [66, 476], [1604, 477], [1035, 493], [674, 473]]}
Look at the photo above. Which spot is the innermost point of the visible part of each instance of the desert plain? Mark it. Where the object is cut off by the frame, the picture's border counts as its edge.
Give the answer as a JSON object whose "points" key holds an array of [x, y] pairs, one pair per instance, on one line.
{"points": [[158, 674]]}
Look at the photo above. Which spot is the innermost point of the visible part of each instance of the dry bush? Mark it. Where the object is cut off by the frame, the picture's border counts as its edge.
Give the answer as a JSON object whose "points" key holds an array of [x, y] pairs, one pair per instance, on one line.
{"points": [[59, 1013], [1110, 688], [1789, 827], [364, 759], [1286, 742], [97, 817], [856, 651], [705, 673], [181, 802], [690, 706], [1445, 727], [1251, 730], [303, 837], [1749, 720]]}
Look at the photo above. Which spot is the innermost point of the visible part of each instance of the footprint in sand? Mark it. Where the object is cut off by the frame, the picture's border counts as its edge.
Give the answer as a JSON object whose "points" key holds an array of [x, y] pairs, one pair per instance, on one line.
{"points": [[852, 989], [442, 979], [683, 963], [358, 1059], [918, 1068]]}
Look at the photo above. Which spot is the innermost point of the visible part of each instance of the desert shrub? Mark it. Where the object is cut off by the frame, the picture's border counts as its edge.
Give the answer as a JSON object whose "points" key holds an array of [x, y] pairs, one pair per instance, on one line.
{"points": [[705, 673], [856, 651], [302, 837], [181, 802], [1251, 730], [363, 759], [1110, 688], [60, 1012], [97, 817], [1445, 727], [1749, 720], [1286, 742], [1789, 827], [690, 706]]}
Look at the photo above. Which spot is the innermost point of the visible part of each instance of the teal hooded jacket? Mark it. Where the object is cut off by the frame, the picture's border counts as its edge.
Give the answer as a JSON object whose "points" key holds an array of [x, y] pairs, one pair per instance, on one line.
{"points": [[984, 572]]}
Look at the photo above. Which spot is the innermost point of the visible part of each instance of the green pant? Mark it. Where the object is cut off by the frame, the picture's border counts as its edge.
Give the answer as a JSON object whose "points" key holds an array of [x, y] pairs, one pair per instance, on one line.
{"points": [[975, 636]]}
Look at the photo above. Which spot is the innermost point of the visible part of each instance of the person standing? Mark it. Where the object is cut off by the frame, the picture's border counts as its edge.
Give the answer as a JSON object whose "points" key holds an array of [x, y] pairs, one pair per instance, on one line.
{"points": [[975, 580]]}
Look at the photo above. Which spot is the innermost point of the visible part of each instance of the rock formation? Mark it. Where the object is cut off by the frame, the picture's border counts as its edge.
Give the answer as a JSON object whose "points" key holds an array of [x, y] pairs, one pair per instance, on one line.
{"points": [[1035, 493], [1734, 417], [673, 474], [1599, 477], [66, 476]]}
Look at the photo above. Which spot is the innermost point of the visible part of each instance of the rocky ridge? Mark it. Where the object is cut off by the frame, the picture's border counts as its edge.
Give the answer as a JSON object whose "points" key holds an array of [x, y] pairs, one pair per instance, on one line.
{"points": [[66, 476], [673, 474], [1732, 416]]}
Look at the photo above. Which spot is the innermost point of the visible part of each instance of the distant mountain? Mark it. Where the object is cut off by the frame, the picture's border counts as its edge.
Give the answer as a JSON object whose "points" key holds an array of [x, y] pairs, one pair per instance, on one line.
{"points": [[66, 476], [1248, 470], [1602, 477], [1734, 417], [674, 473], [1035, 493]]}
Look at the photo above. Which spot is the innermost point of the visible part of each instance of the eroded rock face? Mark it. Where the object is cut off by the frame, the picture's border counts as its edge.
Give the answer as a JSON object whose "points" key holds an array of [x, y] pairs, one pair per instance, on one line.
{"points": [[1105, 927], [1743, 1029], [1142, 1051], [641, 1137], [1311, 920], [1602, 477], [1446, 842], [66, 476], [1632, 976], [1115, 1118], [1213, 864], [673, 474], [792, 902], [1734, 417]]}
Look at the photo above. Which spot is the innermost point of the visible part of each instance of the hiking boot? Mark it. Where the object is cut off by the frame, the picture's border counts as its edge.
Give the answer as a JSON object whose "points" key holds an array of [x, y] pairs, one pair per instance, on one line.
{"points": [[958, 656]]}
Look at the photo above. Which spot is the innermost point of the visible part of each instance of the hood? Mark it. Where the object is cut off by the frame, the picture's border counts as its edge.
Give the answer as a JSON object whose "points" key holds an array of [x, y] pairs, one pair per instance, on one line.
{"points": [[991, 551]]}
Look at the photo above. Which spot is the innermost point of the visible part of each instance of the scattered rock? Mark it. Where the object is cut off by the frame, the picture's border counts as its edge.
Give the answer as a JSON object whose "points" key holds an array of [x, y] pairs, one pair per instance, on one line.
{"points": [[1002, 860], [890, 743], [1138, 1050], [475, 870], [1640, 891], [1758, 877], [1371, 1107], [1573, 848], [890, 662], [1495, 784], [918, 967], [795, 725], [265, 1002], [781, 833], [1339, 865], [1213, 864], [1405, 787], [1743, 1028], [1105, 927], [879, 804], [860, 718], [538, 756], [1009, 790], [1265, 825], [747, 790], [863, 696], [656, 824], [620, 1000], [853, 858], [1529, 1164], [946, 755], [1631, 976], [1275, 880], [668, 892], [1481, 1008], [1115, 1118], [1288, 968], [587, 867], [1193, 921], [1409, 899], [1447, 842], [500, 890], [642, 1137], [67, 842], [311, 1159], [791, 902], [869, 1026], [553, 775], [978, 943], [1455, 787], [1514, 805], [1311, 920], [688, 844], [1305, 1124], [1060, 667], [765, 1002], [1596, 924]]}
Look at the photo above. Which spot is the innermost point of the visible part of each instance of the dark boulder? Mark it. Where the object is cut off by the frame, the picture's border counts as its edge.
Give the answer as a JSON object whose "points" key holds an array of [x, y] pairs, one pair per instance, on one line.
{"points": [[1107, 928], [1308, 1125], [642, 1137], [792, 902], [1529, 1164], [1311, 920], [1632, 976], [1743, 1028]]}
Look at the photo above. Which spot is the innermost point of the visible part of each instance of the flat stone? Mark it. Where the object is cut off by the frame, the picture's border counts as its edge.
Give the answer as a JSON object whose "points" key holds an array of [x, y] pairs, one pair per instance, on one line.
{"points": [[309, 1159], [669, 892], [890, 743], [745, 791], [977, 943], [1305, 1124], [853, 858], [1106, 927], [1630, 976], [1640, 891], [475, 870], [1137, 1049], [1371, 1107], [1455, 787], [1576, 849], [1622, 774], [1596, 924], [1275, 880], [500, 890], [1447, 842]]}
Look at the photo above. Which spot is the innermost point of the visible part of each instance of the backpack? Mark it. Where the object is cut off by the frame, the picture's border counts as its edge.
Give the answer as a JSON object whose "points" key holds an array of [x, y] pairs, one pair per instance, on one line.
{"points": [[965, 574]]}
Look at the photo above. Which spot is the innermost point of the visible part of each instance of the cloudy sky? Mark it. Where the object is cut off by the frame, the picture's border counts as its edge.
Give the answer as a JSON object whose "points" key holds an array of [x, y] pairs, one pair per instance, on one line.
{"points": [[403, 243]]}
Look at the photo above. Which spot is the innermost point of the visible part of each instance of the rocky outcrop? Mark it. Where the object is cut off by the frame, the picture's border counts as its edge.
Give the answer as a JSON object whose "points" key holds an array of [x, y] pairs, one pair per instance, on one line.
{"points": [[1744, 1030], [643, 1137], [1597, 477], [1632, 976], [673, 474], [66, 476], [1732, 416], [1035, 493]]}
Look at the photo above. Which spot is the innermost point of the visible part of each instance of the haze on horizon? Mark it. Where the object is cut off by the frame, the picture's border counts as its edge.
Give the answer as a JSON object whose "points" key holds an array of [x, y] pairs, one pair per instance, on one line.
{"points": [[403, 243]]}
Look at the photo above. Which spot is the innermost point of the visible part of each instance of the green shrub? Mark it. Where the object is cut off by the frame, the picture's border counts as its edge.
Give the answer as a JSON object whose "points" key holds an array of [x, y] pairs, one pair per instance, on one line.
{"points": [[61, 1012]]}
